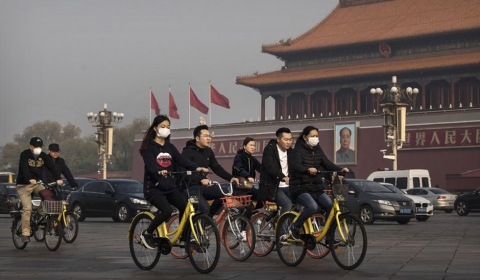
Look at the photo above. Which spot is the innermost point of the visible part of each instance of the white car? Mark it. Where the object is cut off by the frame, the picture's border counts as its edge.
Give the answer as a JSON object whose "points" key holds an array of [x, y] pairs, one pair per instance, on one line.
{"points": [[423, 206]]}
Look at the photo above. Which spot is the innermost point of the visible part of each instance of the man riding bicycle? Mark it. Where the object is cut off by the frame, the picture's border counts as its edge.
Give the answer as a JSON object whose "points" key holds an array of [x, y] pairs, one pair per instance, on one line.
{"points": [[30, 171]]}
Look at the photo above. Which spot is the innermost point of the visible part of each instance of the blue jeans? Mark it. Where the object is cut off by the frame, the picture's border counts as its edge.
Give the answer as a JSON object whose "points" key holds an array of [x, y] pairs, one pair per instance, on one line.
{"points": [[283, 199], [311, 206]]}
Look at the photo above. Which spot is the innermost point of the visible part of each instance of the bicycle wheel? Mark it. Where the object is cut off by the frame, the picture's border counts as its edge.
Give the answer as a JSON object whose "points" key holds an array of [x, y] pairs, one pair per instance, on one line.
{"points": [[53, 233], [350, 253], [291, 252], [239, 237], [172, 225], [39, 234], [320, 250], [70, 227], [205, 253], [265, 234], [143, 257], [17, 233]]}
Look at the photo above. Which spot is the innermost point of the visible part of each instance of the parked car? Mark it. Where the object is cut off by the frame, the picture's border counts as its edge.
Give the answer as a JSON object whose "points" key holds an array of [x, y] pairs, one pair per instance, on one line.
{"points": [[7, 191], [423, 206], [440, 198], [120, 199], [468, 202], [80, 181], [373, 201]]}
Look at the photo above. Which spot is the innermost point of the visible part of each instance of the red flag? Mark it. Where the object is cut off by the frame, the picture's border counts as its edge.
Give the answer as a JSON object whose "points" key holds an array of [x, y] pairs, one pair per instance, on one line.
{"points": [[195, 103], [172, 107], [219, 99], [154, 104]]}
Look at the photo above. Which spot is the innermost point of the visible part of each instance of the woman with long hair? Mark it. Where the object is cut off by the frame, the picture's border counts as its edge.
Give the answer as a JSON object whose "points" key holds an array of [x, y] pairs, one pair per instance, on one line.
{"points": [[160, 157]]}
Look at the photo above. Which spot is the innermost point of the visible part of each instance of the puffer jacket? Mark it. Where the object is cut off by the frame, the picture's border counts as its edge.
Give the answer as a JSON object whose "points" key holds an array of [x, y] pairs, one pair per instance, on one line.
{"points": [[305, 157]]}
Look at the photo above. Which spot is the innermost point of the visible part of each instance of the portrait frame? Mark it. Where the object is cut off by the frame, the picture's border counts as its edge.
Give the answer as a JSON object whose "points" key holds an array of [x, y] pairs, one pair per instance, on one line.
{"points": [[341, 157]]}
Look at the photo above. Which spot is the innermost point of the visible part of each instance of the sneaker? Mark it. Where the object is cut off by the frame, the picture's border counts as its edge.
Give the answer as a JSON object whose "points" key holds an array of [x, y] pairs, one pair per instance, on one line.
{"points": [[147, 240], [244, 236], [25, 239], [294, 232]]}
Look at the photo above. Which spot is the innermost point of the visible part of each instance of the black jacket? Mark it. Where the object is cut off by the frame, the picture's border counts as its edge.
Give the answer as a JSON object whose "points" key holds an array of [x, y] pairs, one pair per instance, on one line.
{"points": [[203, 158], [63, 169], [305, 157], [31, 167], [157, 157], [271, 173], [245, 165]]}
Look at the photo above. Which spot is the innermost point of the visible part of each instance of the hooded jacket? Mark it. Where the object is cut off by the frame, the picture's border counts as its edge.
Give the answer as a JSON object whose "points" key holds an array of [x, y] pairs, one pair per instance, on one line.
{"points": [[156, 158], [203, 157], [271, 173], [305, 157]]}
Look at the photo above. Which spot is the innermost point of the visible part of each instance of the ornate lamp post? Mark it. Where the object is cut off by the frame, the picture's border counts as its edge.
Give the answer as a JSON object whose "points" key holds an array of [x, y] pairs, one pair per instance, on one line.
{"points": [[104, 121], [395, 115]]}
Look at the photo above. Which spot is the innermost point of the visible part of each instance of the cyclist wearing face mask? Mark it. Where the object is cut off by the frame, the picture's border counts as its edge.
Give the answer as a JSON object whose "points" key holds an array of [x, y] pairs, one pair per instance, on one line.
{"points": [[30, 171], [161, 157], [306, 185]]}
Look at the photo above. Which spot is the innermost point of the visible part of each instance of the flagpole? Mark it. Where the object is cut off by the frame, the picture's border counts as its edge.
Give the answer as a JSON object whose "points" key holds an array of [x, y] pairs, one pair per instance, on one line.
{"points": [[210, 100], [189, 105], [150, 108]]}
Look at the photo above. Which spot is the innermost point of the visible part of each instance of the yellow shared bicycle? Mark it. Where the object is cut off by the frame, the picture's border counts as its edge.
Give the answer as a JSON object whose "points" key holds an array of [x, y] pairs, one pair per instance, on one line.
{"points": [[343, 234], [202, 236]]}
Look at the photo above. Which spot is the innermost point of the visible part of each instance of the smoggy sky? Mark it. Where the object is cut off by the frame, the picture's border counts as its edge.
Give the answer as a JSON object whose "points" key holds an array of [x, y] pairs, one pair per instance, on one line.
{"points": [[62, 59]]}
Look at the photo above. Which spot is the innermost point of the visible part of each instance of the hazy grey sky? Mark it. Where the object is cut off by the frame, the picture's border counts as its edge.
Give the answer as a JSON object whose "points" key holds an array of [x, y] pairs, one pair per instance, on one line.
{"points": [[62, 59]]}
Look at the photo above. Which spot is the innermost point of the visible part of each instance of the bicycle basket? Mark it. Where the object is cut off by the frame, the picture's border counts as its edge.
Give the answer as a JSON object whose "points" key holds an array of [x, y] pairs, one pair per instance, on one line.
{"points": [[236, 201], [340, 191], [52, 207]]}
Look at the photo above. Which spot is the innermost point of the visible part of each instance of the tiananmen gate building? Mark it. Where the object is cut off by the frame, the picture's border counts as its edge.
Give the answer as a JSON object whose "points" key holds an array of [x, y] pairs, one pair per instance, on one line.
{"points": [[328, 74]]}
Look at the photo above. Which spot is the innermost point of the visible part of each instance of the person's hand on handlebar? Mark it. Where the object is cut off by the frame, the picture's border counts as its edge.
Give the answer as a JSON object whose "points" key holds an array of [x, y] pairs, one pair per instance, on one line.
{"points": [[202, 169], [346, 170], [163, 173], [312, 171], [33, 181], [234, 179], [206, 182], [59, 182]]}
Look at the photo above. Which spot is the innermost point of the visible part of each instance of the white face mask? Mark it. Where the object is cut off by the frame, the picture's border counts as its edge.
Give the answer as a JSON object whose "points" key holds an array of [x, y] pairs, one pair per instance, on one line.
{"points": [[37, 151], [313, 141], [163, 132]]}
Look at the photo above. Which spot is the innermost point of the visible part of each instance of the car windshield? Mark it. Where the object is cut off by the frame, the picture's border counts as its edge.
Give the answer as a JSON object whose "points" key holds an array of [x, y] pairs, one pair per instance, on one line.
{"points": [[393, 189], [438, 191], [371, 187], [128, 187]]}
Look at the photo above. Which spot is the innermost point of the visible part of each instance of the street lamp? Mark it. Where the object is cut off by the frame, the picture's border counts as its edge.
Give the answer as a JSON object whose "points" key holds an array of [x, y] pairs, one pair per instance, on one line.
{"points": [[395, 115], [104, 121]]}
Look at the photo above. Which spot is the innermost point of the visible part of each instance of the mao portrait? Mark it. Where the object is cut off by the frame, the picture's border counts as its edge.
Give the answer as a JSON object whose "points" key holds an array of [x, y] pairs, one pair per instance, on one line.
{"points": [[345, 143]]}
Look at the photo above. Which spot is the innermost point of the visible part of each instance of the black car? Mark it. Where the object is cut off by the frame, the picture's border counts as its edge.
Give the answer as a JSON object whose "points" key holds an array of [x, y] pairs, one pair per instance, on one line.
{"points": [[7, 190], [120, 199], [80, 181], [370, 200], [468, 202]]}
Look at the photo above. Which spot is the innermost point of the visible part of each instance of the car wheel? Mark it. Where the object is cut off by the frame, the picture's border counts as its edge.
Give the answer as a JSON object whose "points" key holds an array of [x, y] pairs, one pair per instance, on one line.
{"points": [[448, 210], [79, 212], [462, 209], [422, 218], [122, 214], [366, 215], [403, 221]]}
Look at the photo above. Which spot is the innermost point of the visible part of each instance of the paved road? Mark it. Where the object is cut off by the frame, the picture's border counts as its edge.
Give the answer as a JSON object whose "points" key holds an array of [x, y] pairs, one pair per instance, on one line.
{"points": [[444, 247]]}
